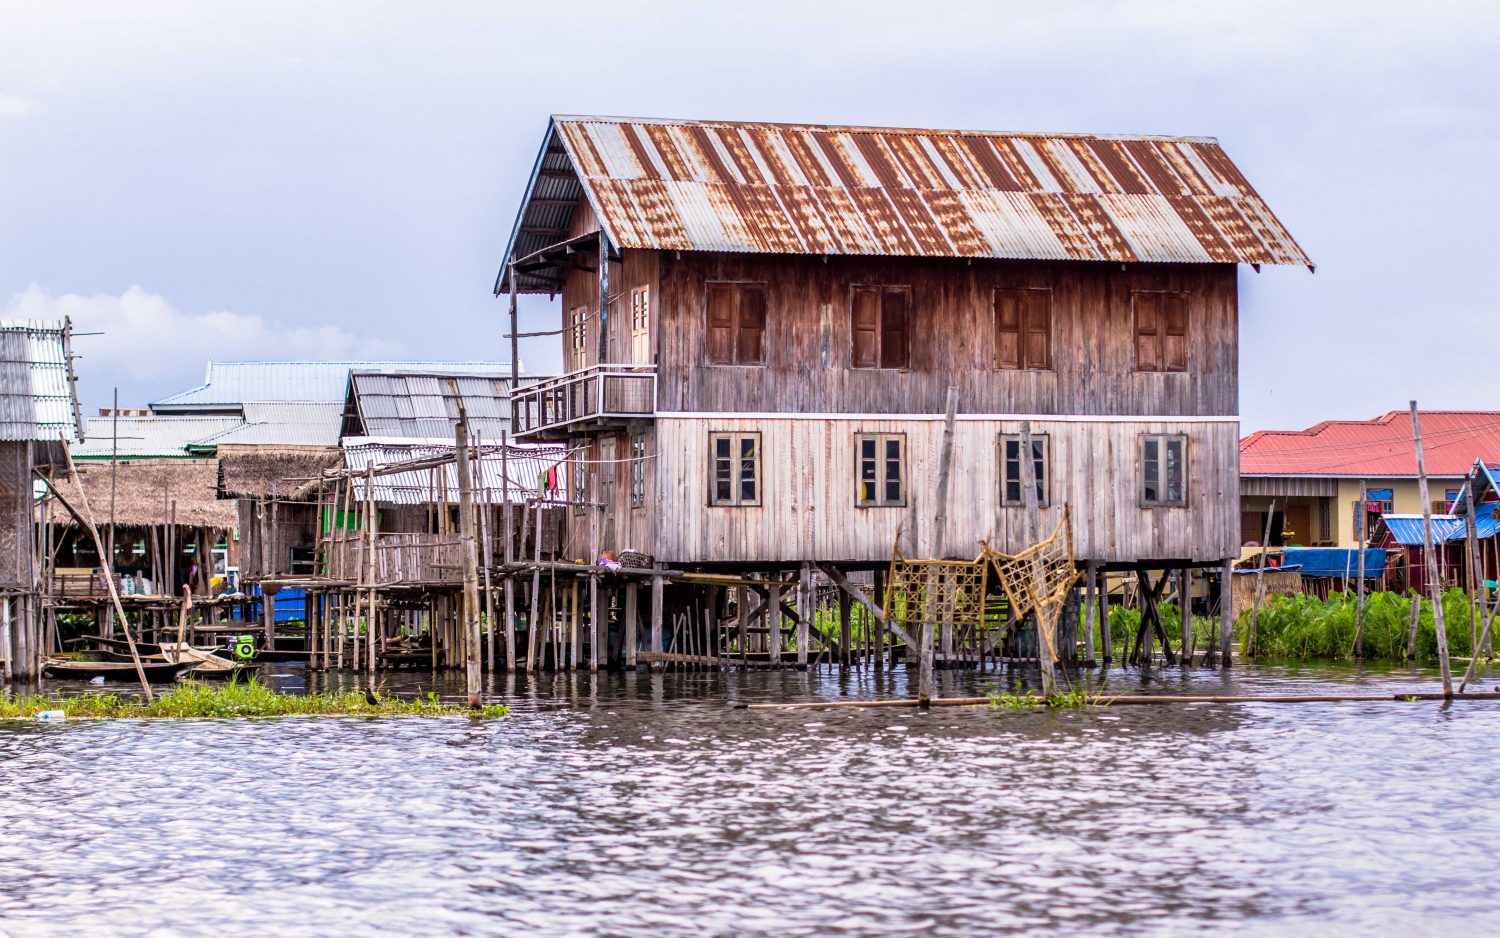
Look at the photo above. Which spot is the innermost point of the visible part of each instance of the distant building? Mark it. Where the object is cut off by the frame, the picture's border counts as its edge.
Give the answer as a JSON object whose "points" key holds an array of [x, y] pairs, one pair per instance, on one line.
{"points": [[1313, 476]]}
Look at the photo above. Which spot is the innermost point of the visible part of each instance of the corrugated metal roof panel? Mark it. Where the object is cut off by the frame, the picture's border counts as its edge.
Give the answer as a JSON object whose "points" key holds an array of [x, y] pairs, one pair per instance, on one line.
{"points": [[36, 398], [527, 467], [1407, 529], [1379, 448], [420, 406], [233, 383], [283, 423], [160, 436], [808, 189]]}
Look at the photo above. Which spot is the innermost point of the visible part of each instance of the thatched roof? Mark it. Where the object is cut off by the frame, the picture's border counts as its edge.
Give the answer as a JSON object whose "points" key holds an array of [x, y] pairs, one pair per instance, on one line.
{"points": [[290, 471], [142, 485]]}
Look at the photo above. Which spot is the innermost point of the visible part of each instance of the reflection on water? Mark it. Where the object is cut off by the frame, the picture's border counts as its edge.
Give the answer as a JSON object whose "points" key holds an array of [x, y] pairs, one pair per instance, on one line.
{"points": [[640, 804]]}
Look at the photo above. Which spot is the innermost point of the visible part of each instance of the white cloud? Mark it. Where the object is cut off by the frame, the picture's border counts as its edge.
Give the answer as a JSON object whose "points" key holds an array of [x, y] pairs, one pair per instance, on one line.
{"points": [[150, 345], [15, 105]]}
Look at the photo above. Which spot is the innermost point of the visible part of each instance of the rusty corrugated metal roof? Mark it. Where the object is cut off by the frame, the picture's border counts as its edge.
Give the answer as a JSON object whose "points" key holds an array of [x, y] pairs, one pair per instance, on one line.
{"points": [[803, 189]]}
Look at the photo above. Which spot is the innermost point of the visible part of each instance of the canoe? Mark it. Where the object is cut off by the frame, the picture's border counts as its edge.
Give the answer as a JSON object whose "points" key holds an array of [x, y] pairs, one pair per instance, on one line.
{"points": [[157, 672]]}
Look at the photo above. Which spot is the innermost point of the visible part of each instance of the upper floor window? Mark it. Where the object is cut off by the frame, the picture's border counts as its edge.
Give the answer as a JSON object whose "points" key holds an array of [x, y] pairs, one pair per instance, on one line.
{"points": [[1163, 470], [1023, 329], [1013, 479], [637, 471], [578, 343], [882, 469], [606, 470], [734, 469], [1160, 330], [640, 325], [580, 497], [737, 323], [878, 326]]}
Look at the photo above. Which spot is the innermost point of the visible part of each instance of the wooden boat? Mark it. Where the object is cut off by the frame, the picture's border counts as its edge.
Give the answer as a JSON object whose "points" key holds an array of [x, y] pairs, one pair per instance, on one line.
{"points": [[157, 671]]}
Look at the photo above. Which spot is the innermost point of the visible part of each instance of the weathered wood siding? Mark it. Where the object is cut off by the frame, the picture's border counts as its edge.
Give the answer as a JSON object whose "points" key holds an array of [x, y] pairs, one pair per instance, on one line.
{"points": [[952, 338], [808, 510]]}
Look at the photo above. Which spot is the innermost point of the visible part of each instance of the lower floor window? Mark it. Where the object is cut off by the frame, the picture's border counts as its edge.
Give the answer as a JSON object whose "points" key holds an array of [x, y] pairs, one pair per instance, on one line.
{"points": [[1163, 470], [637, 471], [735, 469], [881, 469], [1014, 470]]}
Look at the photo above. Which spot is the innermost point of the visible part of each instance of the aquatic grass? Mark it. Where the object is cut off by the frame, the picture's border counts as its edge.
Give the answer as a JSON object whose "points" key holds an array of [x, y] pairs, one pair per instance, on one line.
{"points": [[1306, 627], [1078, 698], [199, 700]]}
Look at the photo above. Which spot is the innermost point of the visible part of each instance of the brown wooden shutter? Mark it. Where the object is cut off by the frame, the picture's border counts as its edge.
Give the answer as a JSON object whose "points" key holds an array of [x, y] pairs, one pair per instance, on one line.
{"points": [[864, 328], [721, 297], [750, 347], [1174, 314], [1038, 325], [1007, 329], [1147, 331], [894, 348]]}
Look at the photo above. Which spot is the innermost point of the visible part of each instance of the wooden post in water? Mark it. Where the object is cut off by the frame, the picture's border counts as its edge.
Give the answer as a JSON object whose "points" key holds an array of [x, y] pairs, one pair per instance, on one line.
{"points": [[1090, 603], [470, 556], [1411, 629], [1260, 584], [1430, 558], [1359, 603], [805, 614], [1226, 613], [773, 623], [1471, 544], [1185, 614], [657, 596], [1044, 641]]}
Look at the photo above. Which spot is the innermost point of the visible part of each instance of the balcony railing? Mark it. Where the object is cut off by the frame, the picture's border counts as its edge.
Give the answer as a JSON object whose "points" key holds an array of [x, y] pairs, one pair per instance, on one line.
{"points": [[601, 392]]}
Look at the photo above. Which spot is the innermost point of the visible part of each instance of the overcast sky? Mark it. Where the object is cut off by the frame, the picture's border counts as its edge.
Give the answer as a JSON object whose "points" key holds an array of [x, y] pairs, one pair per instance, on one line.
{"points": [[327, 180]]}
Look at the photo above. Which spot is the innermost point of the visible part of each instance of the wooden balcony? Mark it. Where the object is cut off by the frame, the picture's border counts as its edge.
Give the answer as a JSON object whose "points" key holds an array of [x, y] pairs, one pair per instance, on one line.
{"points": [[592, 398]]}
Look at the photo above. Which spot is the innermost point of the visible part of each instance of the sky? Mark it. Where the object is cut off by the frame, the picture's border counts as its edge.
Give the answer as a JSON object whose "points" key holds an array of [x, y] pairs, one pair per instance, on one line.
{"points": [[331, 180]]}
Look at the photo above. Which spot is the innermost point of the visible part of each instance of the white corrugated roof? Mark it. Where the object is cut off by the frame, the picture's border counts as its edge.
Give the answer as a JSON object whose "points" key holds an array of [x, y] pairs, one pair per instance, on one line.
{"points": [[153, 435], [283, 423], [228, 384], [527, 465], [36, 399], [421, 406]]}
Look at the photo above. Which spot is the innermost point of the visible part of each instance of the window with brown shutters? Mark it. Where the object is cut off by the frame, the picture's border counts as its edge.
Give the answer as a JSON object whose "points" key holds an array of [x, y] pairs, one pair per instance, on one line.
{"points": [[879, 327], [737, 323], [1160, 330], [1023, 329]]}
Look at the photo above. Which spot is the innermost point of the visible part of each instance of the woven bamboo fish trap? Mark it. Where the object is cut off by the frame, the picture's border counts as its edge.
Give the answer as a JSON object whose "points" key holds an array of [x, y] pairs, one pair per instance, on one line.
{"points": [[1039, 579], [932, 592]]}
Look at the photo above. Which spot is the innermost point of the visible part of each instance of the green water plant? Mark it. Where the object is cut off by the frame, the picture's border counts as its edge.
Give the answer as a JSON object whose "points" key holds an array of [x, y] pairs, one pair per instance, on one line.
{"points": [[1077, 698], [1309, 627], [199, 700]]}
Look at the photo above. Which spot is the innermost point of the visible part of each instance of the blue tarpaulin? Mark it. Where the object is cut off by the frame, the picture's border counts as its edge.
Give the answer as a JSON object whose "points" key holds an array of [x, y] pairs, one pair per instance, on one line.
{"points": [[1335, 561]]}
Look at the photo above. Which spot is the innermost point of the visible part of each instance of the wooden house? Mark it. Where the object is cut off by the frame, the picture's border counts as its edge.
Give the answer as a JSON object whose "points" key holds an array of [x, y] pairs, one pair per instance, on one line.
{"points": [[786, 307], [761, 324]]}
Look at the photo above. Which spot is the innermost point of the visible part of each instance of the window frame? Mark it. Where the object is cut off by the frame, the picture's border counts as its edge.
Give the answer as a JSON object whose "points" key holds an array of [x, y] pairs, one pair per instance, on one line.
{"points": [[881, 465], [1021, 330], [640, 325], [580, 477], [736, 439], [1161, 332], [737, 322], [1044, 497], [578, 338], [880, 291], [1162, 440], [637, 471]]}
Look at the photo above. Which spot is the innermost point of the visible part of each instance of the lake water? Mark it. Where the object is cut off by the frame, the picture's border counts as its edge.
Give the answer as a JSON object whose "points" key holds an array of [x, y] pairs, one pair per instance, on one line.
{"points": [[646, 805]]}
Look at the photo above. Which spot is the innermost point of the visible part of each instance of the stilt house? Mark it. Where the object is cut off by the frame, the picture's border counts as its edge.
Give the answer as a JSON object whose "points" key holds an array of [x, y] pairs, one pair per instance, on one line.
{"points": [[761, 324]]}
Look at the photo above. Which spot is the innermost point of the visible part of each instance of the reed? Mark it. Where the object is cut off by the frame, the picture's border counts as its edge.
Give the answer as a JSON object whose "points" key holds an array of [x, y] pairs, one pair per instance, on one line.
{"points": [[1306, 627], [198, 700]]}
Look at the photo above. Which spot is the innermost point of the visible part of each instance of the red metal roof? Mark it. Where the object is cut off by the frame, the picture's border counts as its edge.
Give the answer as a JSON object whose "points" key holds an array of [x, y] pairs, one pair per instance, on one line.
{"points": [[1379, 448], [800, 189]]}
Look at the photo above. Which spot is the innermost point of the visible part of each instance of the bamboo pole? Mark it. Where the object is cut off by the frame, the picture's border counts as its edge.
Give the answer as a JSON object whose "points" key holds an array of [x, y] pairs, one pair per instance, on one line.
{"points": [[470, 556], [1435, 585], [1260, 585], [109, 569], [1359, 604]]}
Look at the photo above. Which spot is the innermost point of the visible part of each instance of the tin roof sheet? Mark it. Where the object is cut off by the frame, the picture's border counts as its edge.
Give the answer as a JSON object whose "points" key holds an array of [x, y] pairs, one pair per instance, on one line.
{"points": [[228, 384], [527, 464], [36, 395], [1406, 530], [283, 423], [811, 189], [423, 406], [1378, 448], [150, 435]]}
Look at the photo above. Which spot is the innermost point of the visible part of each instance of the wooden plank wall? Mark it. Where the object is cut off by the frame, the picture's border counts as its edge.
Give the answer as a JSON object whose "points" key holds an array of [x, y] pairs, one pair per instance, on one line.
{"points": [[952, 338], [807, 510]]}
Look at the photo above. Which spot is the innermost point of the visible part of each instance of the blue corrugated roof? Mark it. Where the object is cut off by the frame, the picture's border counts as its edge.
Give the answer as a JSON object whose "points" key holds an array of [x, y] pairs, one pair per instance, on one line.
{"points": [[1407, 529]]}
